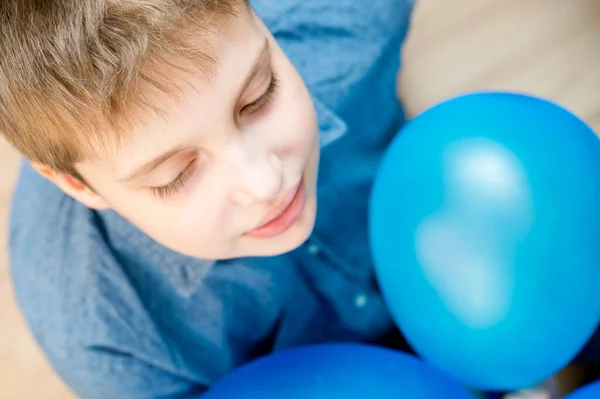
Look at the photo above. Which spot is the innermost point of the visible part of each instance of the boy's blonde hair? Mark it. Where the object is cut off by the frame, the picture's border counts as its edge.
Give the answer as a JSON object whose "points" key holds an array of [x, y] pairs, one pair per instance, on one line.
{"points": [[73, 70]]}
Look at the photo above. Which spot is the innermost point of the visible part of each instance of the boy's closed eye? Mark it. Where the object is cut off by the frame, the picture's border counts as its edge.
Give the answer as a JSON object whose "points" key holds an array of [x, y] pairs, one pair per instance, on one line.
{"points": [[178, 183], [255, 108], [263, 100]]}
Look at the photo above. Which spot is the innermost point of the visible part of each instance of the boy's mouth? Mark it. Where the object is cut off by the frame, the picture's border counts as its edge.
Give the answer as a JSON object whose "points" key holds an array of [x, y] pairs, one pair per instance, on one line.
{"points": [[281, 217]]}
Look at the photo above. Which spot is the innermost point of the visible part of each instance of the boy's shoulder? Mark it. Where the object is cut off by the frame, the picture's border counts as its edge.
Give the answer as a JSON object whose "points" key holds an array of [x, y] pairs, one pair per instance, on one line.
{"points": [[68, 283], [335, 45], [87, 303]]}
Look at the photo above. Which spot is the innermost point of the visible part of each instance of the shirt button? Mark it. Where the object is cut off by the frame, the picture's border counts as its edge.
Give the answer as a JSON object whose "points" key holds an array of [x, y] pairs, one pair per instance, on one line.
{"points": [[360, 301], [313, 249]]}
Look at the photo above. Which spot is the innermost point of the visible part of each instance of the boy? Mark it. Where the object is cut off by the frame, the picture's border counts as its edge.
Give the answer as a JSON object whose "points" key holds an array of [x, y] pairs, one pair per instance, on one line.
{"points": [[175, 235]]}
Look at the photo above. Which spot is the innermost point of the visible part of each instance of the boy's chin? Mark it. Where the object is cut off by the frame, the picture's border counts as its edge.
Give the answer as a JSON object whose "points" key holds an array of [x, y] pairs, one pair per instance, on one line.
{"points": [[282, 244], [287, 241]]}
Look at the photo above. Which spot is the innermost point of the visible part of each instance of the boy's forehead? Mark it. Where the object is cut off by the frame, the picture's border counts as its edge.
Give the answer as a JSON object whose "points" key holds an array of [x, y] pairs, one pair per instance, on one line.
{"points": [[178, 118]]}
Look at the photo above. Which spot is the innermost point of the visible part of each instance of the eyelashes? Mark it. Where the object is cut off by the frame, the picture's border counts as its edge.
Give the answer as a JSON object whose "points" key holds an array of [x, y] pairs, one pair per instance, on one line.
{"points": [[171, 189], [264, 100], [177, 184]]}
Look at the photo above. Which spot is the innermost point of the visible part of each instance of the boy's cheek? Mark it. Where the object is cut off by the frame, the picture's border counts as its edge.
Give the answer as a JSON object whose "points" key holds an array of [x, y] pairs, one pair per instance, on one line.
{"points": [[191, 232], [297, 116]]}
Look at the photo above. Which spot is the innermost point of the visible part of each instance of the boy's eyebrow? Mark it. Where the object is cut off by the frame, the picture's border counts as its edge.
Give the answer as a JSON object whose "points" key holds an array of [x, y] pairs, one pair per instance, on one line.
{"points": [[153, 164], [156, 162], [255, 67]]}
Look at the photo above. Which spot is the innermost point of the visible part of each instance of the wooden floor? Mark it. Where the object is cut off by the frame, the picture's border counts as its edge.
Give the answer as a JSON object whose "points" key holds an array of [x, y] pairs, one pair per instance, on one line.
{"points": [[546, 47]]}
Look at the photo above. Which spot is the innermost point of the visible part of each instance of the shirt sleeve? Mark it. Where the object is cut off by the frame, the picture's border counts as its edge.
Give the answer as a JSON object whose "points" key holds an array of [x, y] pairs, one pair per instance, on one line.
{"points": [[336, 44], [102, 373], [79, 305]]}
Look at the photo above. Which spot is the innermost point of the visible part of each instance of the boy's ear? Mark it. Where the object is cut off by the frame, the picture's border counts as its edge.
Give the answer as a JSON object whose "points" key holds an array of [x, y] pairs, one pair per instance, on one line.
{"points": [[73, 187]]}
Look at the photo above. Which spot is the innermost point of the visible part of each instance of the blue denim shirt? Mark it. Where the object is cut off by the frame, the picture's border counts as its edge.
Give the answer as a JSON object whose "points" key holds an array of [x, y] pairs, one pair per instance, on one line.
{"points": [[120, 316]]}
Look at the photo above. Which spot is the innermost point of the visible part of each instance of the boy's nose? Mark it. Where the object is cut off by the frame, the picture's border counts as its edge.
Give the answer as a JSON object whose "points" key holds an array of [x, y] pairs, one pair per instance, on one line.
{"points": [[261, 179]]}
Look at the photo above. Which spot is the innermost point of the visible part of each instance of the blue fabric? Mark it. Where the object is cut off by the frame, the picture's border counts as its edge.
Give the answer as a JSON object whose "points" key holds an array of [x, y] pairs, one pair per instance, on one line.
{"points": [[120, 316]]}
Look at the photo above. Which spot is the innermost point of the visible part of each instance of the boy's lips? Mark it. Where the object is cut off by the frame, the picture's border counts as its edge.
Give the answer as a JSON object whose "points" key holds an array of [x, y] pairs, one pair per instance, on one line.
{"points": [[283, 215]]}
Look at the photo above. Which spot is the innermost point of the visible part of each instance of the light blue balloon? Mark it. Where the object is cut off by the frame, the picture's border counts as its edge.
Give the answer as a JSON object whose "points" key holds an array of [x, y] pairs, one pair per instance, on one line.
{"points": [[337, 371], [591, 391], [485, 229]]}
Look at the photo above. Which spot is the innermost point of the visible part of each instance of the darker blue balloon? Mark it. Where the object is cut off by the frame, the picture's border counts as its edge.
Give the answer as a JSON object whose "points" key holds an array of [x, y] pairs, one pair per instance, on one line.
{"points": [[591, 391], [485, 229], [337, 371]]}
